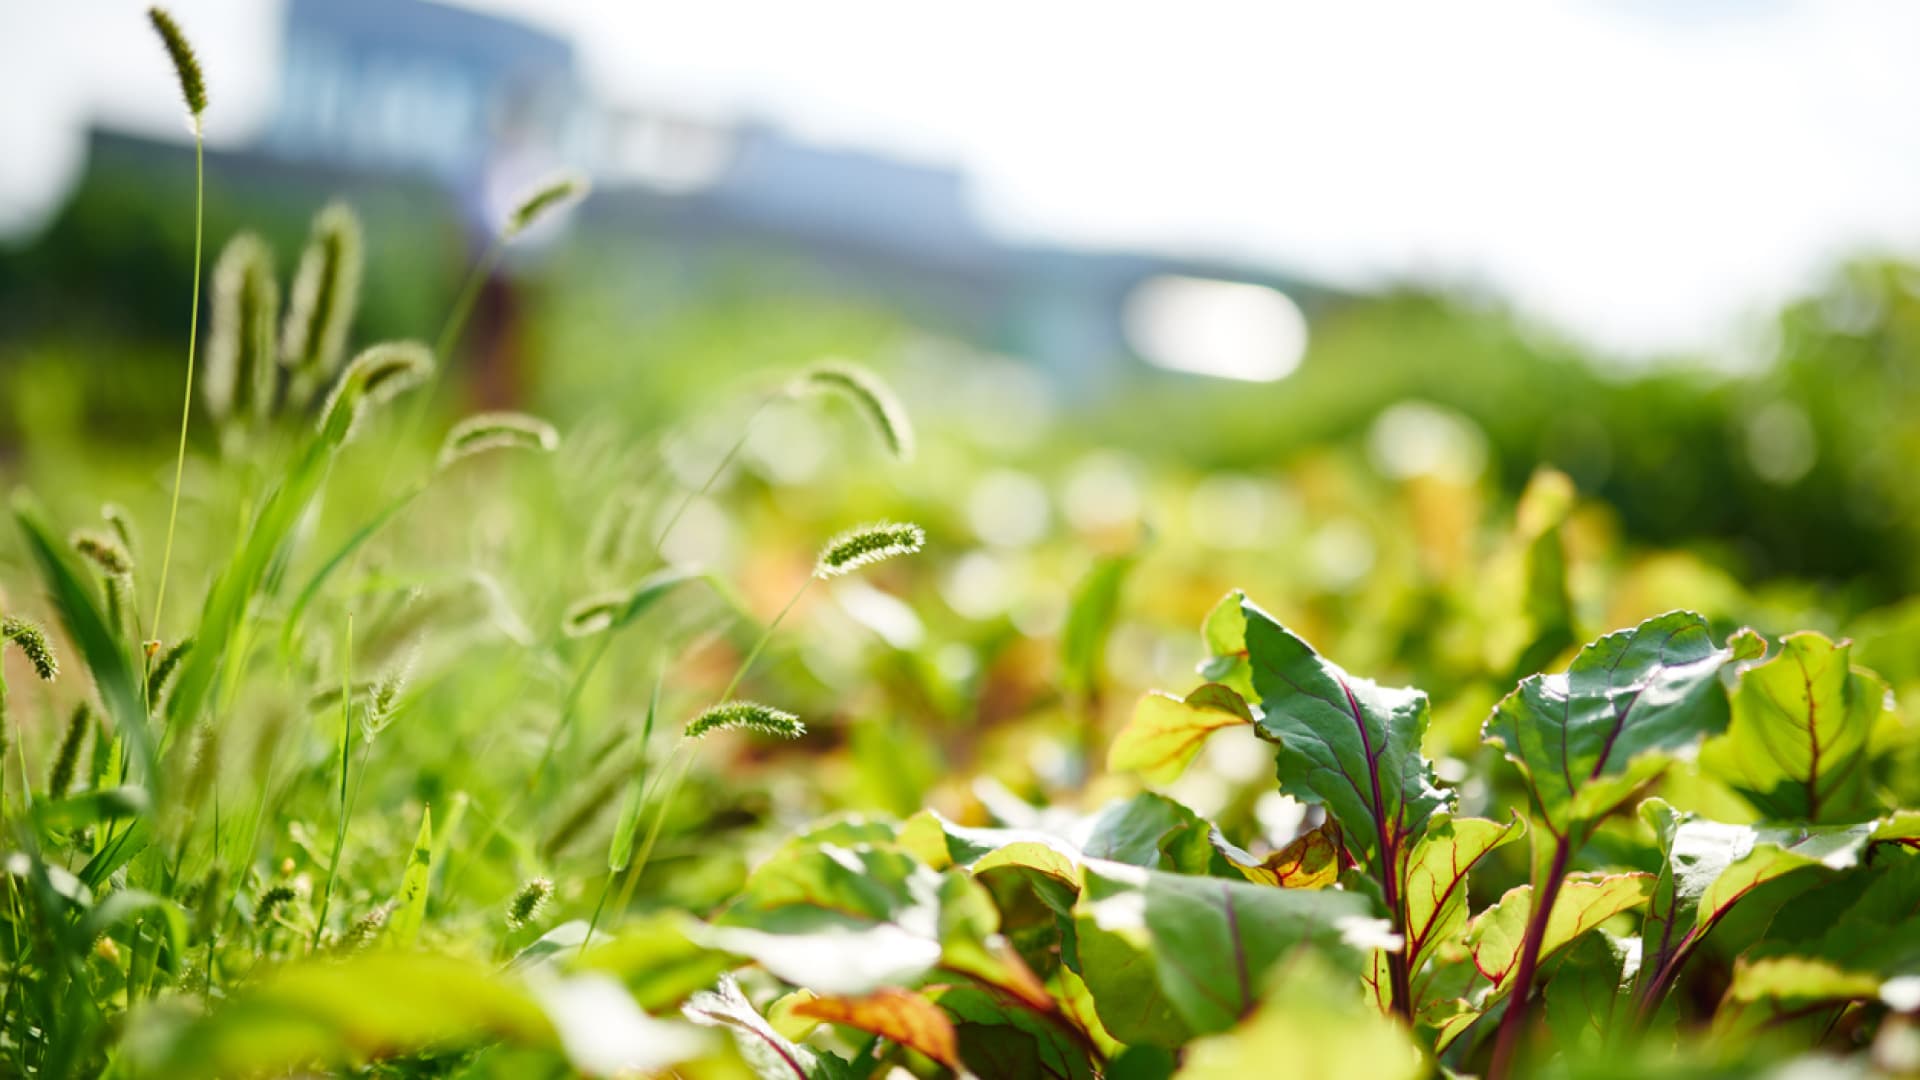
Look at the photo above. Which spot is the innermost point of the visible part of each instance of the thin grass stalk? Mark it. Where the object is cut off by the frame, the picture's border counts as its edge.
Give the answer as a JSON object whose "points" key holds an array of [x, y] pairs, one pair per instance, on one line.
{"points": [[346, 762], [450, 334], [567, 710], [646, 740], [672, 775], [186, 405], [462, 309], [687, 500], [673, 778]]}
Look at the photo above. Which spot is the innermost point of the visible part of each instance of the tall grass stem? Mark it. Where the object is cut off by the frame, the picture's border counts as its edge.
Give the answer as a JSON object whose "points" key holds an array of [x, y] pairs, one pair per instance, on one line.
{"points": [[186, 405]]}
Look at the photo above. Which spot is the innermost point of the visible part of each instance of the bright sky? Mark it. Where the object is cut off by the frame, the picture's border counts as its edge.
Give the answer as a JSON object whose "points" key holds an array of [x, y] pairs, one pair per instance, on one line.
{"points": [[1644, 174]]}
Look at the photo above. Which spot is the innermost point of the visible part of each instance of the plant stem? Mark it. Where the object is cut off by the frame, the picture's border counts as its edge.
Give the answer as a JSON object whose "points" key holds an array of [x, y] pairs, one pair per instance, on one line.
{"points": [[186, 406], [598, 906], [1514, 1024], [450, 332], [765, 635], [713, 478], [463, 304], [1399, 978], [668, 783], [671, 778], [346, 762], [1662, 980], [567, 711]]}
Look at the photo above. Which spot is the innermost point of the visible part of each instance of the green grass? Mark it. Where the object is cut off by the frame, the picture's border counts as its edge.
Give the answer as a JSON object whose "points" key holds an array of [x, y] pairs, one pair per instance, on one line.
{"points": [[458, 763]]}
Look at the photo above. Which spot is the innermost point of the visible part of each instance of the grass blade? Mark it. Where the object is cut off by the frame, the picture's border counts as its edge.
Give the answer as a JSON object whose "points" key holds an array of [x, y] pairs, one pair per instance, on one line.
{"points": [[105, 655]]}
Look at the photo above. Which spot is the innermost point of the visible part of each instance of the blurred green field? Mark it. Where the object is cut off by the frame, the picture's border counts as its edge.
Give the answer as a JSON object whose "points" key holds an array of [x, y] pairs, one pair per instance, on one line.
{"points": [[389, 785]]}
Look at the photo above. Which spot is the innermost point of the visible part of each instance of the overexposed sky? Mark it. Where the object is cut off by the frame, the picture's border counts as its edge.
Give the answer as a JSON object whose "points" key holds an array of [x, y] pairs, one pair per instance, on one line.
{"points": [[1643, 174]]}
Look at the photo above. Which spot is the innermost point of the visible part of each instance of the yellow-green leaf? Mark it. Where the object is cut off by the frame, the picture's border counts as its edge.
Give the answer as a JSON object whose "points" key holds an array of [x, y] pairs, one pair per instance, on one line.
{"points": [[1310, 861], [1166, 732], [1797, 744], [1312, 1027], [1585, 901], [1436, 888], [1799, 980], [315, 1014], [413, 884]]}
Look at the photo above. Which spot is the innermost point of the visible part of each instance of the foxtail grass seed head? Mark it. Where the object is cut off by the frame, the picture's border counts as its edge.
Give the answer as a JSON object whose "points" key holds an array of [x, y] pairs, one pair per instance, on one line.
{"points": [[588, 617], [365, 929], [163, 669], [526, 904], [271, 901], [497, 431], [558, 192], [207, 907], [873, 398], [186, 66], [242, 371], [326, 290], [33, 643], [383, 702], [746, 716], [68, 756], [376, 376], [867, 545], [103, 551], [205, 764]]}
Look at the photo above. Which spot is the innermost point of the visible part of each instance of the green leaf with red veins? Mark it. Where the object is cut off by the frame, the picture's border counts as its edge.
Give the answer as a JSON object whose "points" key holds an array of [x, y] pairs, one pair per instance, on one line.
{"points": [[1436, 892], [1797, 746], [1584, 902], [1588, 739], [1347, 742], [1711, 866]]}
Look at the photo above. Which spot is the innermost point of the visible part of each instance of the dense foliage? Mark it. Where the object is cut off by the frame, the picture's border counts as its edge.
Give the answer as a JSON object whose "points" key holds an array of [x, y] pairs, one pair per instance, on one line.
{"points": [[483, 745]]}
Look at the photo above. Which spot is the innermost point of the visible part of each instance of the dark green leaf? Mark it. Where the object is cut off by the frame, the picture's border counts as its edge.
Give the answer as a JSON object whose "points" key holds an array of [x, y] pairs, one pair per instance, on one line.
{"points": [[1587, 739], [1168, 956], [1347, 742]]}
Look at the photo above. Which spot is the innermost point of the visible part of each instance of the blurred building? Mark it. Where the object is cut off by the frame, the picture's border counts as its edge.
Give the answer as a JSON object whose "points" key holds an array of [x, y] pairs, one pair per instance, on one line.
{"points": [[375, 95]]}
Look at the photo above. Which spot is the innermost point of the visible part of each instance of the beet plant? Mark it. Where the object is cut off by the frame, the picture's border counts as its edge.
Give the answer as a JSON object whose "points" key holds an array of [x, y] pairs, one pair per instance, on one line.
{"points": [[455, 771]]}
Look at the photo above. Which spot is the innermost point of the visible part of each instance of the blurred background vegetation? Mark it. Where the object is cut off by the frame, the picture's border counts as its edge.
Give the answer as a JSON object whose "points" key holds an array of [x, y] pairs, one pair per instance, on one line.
{"points": [[1370, 496]]}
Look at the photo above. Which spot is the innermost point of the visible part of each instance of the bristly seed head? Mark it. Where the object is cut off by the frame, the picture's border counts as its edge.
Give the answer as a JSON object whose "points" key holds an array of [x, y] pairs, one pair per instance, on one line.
{"points": [[556, 192], [378, 375], [272, 900], [68, 756], [164, 668], [193, 87], [875, 400], [33, 642], [526, 904], [364, 929], [242, 371], [866, 545], [326, 289], [383, 700], [103, 551], [497, 431], [746, 716]]}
